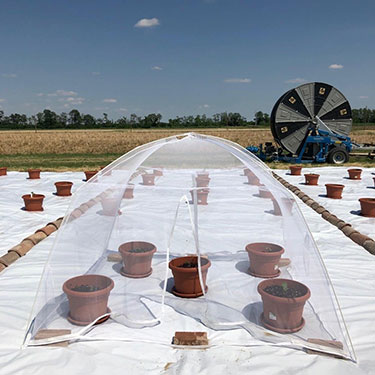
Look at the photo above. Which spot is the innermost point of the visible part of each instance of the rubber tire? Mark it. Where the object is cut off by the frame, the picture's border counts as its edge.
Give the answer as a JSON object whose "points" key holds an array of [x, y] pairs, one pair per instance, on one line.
{"points": [[338, 155]]}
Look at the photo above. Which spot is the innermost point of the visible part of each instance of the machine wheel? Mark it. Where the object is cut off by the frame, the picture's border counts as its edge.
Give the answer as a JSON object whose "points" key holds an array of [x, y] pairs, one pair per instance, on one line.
{"points": [[338, 155]]}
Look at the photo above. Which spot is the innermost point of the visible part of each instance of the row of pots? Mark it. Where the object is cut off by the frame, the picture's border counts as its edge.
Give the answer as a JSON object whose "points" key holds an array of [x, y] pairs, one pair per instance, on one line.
{"points": [[354, 173], [88, 294], [334, 191]]}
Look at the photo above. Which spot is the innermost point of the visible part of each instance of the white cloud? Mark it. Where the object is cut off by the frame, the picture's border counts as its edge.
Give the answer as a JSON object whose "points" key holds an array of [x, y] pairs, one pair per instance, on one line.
{"points": [[95, 73], [122, 110], [110, 100], [2, 100], [39, 94], [9, 75], [336, 66], [101, 108], [296, 80], [147, 22], [157, 68], [206, 106], [237, 80], [71, 100], [61, 93], [363, 97]]}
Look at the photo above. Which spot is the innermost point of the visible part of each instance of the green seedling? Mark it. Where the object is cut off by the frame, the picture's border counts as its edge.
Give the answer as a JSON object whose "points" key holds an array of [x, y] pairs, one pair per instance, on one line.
{"points": [[284, 285]]}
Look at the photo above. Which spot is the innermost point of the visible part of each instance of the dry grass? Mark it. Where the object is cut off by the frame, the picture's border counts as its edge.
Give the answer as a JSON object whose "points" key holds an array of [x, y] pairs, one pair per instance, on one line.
{"points": [[104, 141], [78, 149]]}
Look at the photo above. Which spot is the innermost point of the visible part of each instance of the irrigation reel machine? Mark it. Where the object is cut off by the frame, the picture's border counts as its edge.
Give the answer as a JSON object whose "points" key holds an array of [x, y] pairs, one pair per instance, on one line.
{"points": [[310, 123]]}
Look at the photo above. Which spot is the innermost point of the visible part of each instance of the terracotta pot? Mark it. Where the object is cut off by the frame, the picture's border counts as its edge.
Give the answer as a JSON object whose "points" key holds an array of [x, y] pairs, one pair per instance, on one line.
{"points": [[264, 259], [3, 171], [128, 193], [334, 191], [137, 264], [311, 179], [355, 173], [246, 171], [295, 170], [202, 195], [148, 179], [253, 180], [110, 206], [281, 314], [34, 174], [186, 280], [86, 306], [264, 192], [90, 174], [107, 173], [287, 204], [367, 206], [33, 203], [158, 172], [202, 174], [63, 188], [202, 181]]}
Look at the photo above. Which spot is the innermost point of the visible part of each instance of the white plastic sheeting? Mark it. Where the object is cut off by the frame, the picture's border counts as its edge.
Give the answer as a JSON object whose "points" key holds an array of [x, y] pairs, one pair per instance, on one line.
{"points": [[16, 223], [351, 270], [235, 216]]}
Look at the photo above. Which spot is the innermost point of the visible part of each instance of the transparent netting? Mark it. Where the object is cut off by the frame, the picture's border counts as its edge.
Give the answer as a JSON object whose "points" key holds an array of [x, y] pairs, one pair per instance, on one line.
{"points": [[187, 233]]}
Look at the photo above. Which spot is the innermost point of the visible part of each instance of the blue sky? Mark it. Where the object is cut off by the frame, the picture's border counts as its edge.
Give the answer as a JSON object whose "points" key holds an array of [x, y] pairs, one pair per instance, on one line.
{"points": [[180, 57]]}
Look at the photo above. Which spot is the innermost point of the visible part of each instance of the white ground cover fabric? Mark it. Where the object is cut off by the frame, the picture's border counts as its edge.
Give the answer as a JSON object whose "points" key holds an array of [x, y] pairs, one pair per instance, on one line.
{"points": [[16, 223], [350, 267]]}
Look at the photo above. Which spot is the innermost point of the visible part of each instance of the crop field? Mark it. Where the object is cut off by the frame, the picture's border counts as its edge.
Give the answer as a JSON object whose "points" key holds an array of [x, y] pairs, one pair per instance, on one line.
{"points": [[77, 149]]}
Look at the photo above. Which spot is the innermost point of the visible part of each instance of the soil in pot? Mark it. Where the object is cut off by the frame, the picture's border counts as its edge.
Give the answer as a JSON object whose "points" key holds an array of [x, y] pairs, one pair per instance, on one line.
{"points": [[202, 181], [90, 174], [34, 174], [186, 277], [148, 179], [128, 193], [295, 170], [283, 303], [355, 173], [202, 195], [88, 298], [264, 259], [311, 179], [63, 188], [334, 191], [367, 206], [137, 259], [33, 202], [3, 171]]}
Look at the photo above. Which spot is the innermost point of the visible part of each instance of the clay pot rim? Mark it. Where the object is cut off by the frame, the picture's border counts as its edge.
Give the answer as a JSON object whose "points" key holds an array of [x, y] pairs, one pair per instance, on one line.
{"points": [[335, 185], [263, 284], [34, 170], [146, 253], [355, 169], [63, 183], [204, 267], [311, 174], [35, 196], [148, 174], [91, 172], [88, 294], [3, 167], [255, 251], [367, 200], [295, 167]]}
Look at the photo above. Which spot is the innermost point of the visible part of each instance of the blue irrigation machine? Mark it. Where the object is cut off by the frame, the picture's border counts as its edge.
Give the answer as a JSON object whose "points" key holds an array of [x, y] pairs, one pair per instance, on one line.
{"points": [[310, 123]]}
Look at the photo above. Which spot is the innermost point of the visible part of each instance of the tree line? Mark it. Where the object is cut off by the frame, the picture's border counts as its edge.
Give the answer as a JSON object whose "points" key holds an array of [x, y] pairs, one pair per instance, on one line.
{"points": [[75, 120]]}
